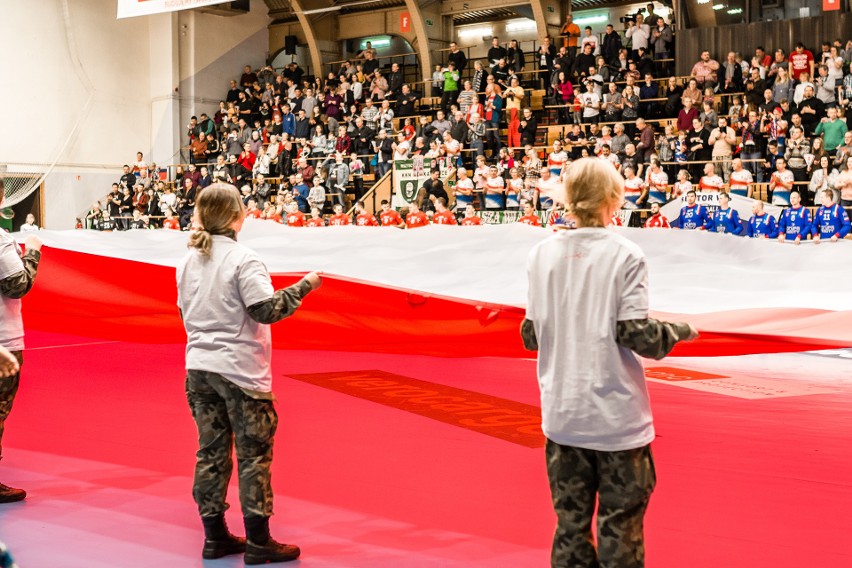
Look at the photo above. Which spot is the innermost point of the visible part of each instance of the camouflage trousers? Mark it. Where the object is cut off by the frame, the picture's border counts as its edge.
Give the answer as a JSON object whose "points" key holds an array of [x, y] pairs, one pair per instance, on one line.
{"points": [[622, 483], [225, 415], [8, 390]]}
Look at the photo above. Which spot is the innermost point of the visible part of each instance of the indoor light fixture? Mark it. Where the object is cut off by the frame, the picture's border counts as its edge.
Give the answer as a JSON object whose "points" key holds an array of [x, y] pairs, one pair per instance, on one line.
{"points": [[718, 6], [479, 31], [525, 25], [733, 11]]}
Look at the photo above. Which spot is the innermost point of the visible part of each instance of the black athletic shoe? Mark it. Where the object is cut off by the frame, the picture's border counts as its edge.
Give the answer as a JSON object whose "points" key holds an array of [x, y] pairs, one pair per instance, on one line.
{"points": [[223, 547], [272, 551], [11, 495]]}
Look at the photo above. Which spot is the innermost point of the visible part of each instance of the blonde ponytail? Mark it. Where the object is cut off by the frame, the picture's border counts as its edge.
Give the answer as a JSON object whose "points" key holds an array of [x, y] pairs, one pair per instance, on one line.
{"points": [[217, 207]]}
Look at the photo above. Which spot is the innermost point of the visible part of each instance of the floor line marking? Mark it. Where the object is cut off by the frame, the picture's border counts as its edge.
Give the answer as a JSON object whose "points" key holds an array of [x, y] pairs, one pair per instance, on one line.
{"points": [[70, 345]]}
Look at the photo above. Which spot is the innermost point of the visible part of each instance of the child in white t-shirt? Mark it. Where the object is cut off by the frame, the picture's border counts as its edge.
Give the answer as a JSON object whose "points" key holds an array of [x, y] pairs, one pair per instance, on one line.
{"points": [[596, 414], [227, 302]]}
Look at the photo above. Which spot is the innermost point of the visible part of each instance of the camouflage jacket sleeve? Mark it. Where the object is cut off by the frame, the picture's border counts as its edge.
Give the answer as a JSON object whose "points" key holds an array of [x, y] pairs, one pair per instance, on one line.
{"points": [[528, 335], [17, 285], [649, 337], [282, 304]]}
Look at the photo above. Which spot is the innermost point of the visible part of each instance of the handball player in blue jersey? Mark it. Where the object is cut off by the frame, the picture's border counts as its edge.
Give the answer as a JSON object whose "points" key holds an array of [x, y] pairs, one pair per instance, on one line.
{"points": [[830, 220], [761, 225], [693, 216], [795, 222], [726, 219]]}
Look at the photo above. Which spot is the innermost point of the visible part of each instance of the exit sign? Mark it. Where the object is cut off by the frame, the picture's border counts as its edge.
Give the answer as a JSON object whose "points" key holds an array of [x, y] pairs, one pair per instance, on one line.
{"points": [[550, 9]]}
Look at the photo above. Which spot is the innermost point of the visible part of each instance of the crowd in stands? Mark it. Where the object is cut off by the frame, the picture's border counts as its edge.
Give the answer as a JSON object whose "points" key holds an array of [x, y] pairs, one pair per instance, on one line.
{"points": [[771, 125]]}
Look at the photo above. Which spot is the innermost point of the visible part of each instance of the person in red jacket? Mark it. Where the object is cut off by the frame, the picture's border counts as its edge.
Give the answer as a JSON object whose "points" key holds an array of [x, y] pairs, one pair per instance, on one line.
{"points": [[416, 217], [470, 217], [339, 218], [362, 218], [389, 217], [529, 217], [656, 219], [443, 216]]}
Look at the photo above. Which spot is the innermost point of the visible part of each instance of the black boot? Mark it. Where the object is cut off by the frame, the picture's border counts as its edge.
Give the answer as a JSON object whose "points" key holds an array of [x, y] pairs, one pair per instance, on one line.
{"points": [[218, 541], [262, 548], [10, 494]]}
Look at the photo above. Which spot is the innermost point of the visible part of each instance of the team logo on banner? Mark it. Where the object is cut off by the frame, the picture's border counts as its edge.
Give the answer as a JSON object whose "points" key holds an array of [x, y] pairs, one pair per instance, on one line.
{"points": [[409, 176]]}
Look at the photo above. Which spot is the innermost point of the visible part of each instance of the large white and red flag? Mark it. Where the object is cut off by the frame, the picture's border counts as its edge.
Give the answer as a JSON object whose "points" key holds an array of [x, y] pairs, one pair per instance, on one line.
{"points": [[451, 291]]}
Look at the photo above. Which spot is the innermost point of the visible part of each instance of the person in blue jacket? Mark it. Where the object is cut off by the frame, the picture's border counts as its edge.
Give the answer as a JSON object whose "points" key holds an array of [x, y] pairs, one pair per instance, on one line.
{"points": [[795, 222], [693, 217], [830, 220], [726, 219], [761, 225]]}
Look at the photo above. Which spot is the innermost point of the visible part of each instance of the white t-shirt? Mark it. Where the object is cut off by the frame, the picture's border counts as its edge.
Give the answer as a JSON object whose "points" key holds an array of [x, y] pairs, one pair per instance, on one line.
{"points": [[28, 228], [11, 323], [593, 392], [213, 294]]}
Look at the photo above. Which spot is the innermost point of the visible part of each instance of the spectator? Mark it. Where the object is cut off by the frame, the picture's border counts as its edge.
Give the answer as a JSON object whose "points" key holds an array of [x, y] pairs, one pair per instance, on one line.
{"points": [[741, 179], [30, 225], [781, 183], [723, 139], [528, 128], [705, 70], [515, 58], [812, 110], [316, 194], [610, 46], [639, 33], [687, 114], [570, 33], [457, 58], [545, 56], [832, 129], [450, 87], [801, 61]]}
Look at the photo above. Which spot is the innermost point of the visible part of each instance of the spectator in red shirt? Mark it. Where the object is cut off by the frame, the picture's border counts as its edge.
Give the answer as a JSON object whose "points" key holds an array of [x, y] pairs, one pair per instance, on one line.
{"points": [[295, 218], [316, 219], [389, 217], [801, 61], [170, 222], [443, 216], [686, 115], [252, 212], [470, 217], [416, 217], [245, 164], [339, 218], [529, 217], [362, 218]]}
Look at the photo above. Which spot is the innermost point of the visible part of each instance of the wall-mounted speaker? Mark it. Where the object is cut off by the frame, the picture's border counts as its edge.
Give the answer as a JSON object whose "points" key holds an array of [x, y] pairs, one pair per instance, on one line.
{"points": [[290, 45]]}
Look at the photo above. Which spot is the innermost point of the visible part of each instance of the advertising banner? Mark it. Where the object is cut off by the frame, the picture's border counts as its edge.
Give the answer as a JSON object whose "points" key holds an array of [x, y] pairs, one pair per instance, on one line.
{"points": [[132, 8]]}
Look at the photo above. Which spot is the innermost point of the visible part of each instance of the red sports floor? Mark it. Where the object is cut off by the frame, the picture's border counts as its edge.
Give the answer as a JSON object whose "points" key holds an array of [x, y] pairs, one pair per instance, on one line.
{"points": [[371, 471]]}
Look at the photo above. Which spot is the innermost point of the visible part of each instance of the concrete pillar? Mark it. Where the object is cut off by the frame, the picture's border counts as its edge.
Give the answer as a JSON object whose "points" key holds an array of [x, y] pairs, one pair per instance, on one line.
{"points": [[418, 24], [163, 77]]}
